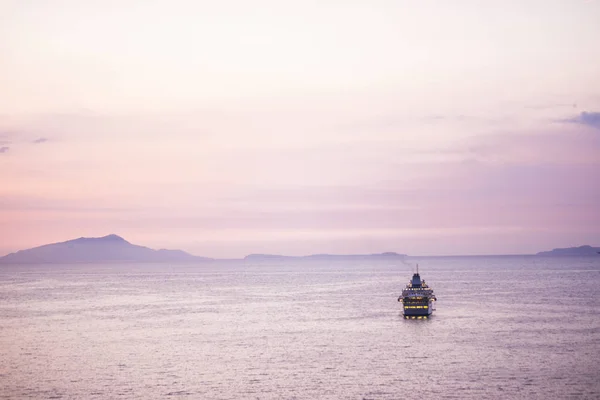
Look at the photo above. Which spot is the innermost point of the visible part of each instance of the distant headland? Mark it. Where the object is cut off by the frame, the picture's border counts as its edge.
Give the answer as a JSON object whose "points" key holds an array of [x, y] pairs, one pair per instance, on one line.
{"points": [[111, 248], [585, 250]]}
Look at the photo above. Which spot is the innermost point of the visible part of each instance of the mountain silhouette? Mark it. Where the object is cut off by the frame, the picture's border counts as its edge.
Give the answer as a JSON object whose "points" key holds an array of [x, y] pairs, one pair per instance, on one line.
{"points": [[111, 248], [585, 250]]}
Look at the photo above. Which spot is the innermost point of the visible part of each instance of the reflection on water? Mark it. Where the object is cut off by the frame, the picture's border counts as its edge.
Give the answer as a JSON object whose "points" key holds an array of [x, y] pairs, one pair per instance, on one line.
{"points": [[507, 327]]}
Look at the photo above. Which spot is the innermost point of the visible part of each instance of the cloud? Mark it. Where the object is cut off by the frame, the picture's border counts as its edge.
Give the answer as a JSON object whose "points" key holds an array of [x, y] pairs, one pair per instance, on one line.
{"points": [[402, 120], [562, 145], [4, 138], [26, 203], [4, 149], [20, 136], [591, 119], [549, 106]]}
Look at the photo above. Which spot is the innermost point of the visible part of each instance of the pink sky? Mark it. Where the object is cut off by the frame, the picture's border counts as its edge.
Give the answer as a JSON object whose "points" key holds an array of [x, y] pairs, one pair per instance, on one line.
{"points": [[232, 127]]}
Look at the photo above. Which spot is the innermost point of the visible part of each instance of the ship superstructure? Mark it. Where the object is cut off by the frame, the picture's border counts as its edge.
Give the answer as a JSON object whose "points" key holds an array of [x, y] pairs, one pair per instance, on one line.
{"points": [[418, 300]]}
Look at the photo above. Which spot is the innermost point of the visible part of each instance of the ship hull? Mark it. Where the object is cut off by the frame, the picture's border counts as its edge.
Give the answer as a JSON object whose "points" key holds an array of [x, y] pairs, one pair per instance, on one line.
{"points": [[416, 309]]}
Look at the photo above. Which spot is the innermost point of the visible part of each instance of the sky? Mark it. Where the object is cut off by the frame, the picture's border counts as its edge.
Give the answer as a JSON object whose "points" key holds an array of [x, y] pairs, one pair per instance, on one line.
{"points": [[298, 127]]}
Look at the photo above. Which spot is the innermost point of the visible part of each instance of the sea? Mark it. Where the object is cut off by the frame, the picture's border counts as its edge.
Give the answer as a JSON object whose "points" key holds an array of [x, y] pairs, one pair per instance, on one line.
{"points": [[512, 327]]}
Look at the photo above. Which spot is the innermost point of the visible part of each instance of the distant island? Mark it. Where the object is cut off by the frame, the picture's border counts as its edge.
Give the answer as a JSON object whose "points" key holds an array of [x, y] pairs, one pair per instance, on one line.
{"points": [[268, 257], [111, 248], [585, 250]]}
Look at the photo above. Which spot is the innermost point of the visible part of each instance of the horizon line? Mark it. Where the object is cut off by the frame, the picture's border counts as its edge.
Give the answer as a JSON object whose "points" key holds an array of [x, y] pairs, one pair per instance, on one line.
{"points": [[382, 254]]}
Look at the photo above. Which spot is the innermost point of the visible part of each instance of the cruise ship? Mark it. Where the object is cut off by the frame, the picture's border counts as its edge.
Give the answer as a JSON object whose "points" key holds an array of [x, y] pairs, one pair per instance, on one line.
{"points": [[418, 300]]}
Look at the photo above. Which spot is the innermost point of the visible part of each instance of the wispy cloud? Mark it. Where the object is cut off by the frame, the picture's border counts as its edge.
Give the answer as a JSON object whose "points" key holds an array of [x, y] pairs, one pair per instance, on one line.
{"points": [[57, 205], [4, 138], [549, 106], [566, 145], [402, 120], [21, 136], [591, 119]]}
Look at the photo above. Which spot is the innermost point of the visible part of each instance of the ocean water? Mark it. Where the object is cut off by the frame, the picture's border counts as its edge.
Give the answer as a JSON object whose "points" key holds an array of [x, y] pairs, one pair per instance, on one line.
{"points": [[505, 328]]}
